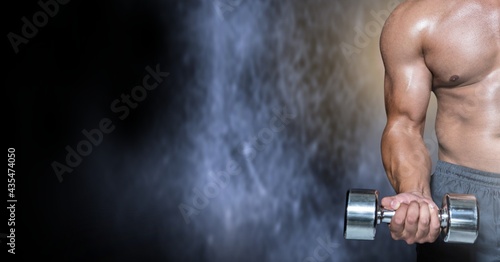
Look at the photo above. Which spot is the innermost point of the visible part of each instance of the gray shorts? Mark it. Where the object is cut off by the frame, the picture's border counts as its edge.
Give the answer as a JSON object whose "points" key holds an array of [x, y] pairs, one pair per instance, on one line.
{"points": [[450, 178]]}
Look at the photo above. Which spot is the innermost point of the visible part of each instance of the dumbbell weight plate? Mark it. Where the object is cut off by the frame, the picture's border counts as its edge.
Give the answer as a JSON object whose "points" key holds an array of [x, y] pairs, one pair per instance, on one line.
{"points": [[463, 218], [360, 217]]}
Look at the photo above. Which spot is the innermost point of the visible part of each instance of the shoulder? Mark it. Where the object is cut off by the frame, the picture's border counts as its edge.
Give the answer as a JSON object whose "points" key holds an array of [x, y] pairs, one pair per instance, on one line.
{"points": [[412, 18], [411, 10], [407, 26]]}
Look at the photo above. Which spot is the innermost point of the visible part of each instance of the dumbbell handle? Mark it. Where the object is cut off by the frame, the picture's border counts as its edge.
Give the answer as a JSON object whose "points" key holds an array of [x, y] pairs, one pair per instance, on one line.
{"points": [[385, 216], [458, 216]]}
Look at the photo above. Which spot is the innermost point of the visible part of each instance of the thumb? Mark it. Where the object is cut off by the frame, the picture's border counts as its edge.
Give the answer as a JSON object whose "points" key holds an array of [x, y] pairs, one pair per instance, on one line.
{"points": [[390, 203]]}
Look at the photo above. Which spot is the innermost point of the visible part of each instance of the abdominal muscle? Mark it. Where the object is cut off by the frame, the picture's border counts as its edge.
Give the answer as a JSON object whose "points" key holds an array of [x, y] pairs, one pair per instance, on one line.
{"points": [[468, 124]]}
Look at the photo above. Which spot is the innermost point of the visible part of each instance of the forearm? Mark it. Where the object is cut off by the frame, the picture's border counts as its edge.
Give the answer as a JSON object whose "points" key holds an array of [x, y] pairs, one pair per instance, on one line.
{"points": [[406, 159]]}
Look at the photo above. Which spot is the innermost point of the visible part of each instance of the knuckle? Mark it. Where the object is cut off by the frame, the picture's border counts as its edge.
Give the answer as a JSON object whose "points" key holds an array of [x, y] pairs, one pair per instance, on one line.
{"points": [[423, 234], [398, 221], [412, 219], [413, 205], [395, 236], [435, 226], [431, 238], [434, 234], [421, 241]]}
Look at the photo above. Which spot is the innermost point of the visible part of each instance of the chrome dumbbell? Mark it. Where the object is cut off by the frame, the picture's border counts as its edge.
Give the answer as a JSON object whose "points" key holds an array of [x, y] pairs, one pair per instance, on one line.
{"points": [[459, 216]]}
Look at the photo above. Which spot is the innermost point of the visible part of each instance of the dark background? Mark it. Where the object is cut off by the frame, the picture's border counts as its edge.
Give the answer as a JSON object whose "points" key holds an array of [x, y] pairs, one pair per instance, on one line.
{"points": [[228, 69], [61, 82]]}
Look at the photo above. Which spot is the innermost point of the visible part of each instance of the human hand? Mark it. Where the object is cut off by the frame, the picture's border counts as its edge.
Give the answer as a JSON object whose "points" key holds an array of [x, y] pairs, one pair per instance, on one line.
{"points": [[416, 219]]}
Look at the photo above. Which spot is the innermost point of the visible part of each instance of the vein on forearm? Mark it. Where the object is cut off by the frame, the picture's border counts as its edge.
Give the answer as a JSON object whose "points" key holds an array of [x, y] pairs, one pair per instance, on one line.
{"points": [[405, 157]]}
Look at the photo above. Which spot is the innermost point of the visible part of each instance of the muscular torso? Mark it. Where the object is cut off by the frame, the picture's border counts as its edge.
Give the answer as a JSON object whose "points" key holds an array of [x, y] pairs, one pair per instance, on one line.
{"points": [[462, 50]]}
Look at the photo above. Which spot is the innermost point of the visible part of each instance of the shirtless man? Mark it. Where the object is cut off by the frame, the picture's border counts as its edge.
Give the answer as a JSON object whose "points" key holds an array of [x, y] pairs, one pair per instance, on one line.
{"points": [[451, 48]]}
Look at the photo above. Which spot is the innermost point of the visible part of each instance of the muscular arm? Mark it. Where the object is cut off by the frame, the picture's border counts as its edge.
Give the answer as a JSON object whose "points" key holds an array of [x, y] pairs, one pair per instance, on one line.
{"points": [[407, 90]]}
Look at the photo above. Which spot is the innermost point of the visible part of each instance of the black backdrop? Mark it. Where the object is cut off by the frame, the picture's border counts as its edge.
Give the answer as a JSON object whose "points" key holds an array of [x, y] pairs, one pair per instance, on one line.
{"points": [[121, 203]]}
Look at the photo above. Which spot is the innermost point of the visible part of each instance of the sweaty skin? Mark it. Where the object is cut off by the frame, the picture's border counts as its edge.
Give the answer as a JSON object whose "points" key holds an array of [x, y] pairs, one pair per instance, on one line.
{"points": [[451, 48]]}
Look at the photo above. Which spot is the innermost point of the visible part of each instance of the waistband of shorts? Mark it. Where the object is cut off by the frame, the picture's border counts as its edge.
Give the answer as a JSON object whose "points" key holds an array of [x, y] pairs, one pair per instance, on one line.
{"points": [[487, 179]]}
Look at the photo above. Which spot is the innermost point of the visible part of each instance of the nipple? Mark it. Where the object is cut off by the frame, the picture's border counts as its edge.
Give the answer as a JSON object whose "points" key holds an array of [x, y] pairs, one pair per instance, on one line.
{"points": [[454, 78]]}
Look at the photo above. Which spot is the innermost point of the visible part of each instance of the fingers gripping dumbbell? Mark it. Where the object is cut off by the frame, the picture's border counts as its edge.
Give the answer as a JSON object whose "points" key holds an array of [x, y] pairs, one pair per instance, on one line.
{"points": [[459, 216]]}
